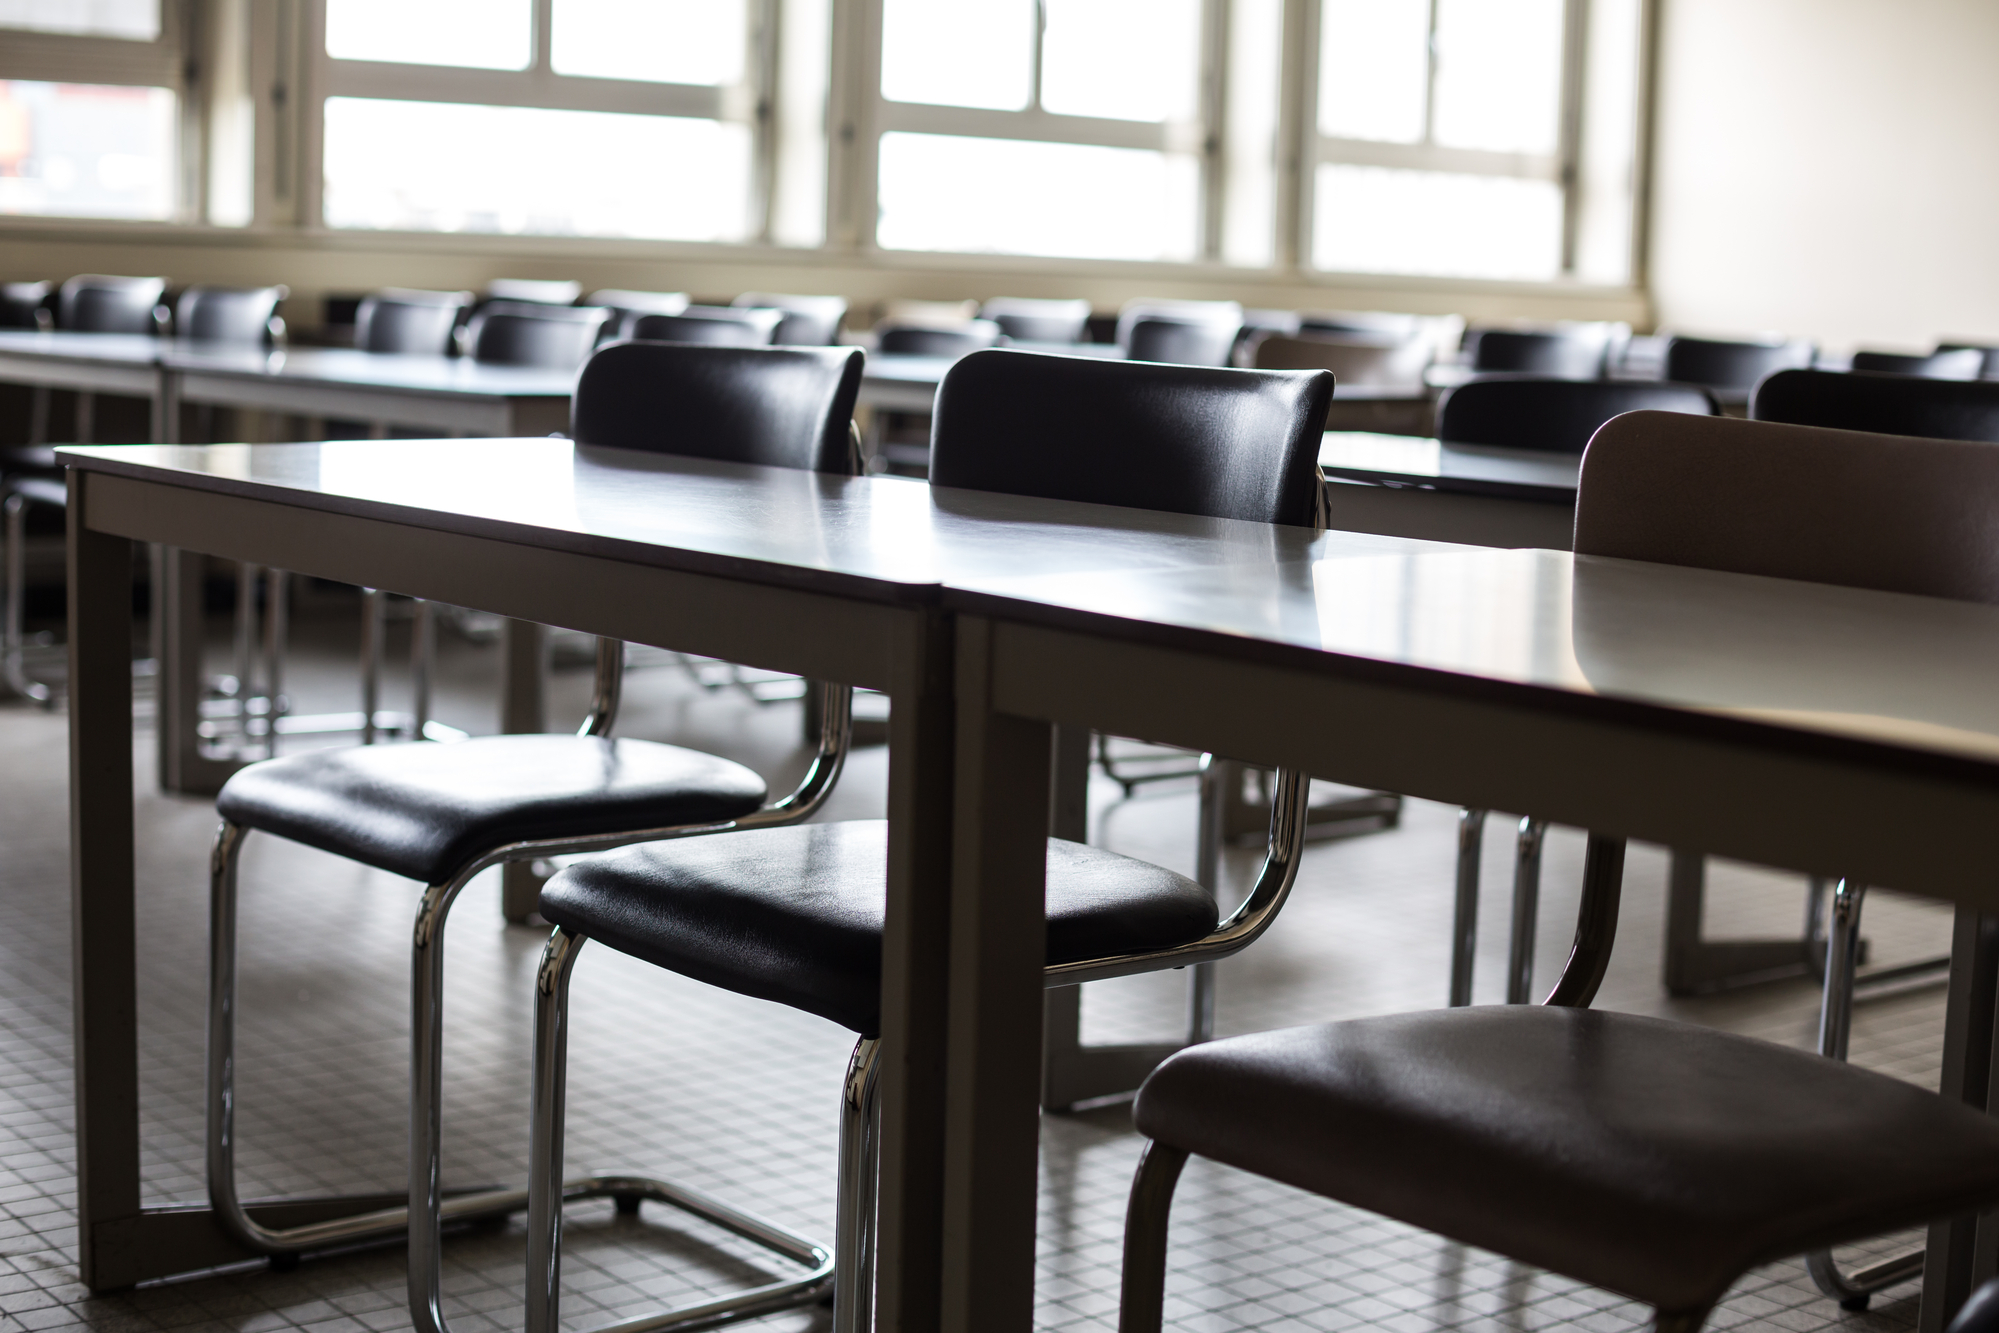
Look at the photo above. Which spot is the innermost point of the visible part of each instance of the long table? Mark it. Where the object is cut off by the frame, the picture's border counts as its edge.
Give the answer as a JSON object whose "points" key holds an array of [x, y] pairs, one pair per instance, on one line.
{"points": [[1636, 700], [1417, 487]]}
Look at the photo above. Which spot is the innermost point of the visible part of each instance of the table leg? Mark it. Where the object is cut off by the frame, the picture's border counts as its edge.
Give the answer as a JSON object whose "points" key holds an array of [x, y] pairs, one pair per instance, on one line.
{"points": [[997, 957], [1962, 1250], [101, 892], [177, 684], [915, 945], [523, 711]]}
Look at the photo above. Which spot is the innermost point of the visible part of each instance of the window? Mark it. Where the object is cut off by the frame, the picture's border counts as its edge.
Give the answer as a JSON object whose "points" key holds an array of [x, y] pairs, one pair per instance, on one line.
{"points": [[632, 118], [90, 110], [1475, 138], [1045, 127]]}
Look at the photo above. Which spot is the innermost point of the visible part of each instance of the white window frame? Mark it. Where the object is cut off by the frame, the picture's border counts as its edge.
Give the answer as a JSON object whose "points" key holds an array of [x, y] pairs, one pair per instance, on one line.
{"points": [[857, 167], [1560, 166], [749, 102], [55, 57]]}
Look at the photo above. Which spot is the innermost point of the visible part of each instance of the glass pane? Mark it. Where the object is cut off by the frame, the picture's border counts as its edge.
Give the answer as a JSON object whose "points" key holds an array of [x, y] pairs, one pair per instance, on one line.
{"points": [[1374, 69], [1249, 199], [86, 150], [135, 20], [958, 52], [659, 41], [474, 34], [1384, 220], [1499, 74], [524, 169], [1610, 142], [1019, 197], [1122, 59]]}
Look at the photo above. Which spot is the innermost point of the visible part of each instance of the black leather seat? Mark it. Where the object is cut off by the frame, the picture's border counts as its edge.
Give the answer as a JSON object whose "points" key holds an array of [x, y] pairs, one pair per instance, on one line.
{"points": [[1654, 1159], [1724, 364], [439, 813], [523, 333], [795, 914], [103, 303], [797, 917], [231, 314], [1886, 404], [25, 305], [1559, 415], [1577, 354], [809, 321], [409, 322], [715, 325], [1181, 342], [422, 811], [937, 340]]}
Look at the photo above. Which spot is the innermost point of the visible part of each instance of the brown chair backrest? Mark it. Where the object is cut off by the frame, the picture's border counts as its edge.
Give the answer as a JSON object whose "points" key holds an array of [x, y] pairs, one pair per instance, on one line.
{"points": [[1353, 360], [1889, 512]]}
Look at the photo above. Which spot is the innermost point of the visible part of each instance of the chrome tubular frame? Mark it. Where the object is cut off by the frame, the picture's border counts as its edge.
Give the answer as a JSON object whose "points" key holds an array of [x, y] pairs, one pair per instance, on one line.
{"points": [[608, 690], [1596, 924], [548, 1192], [1289, 796], [1464, 917], [1142, 1297], [1526, 909], [13, 670], [427, 1027]]}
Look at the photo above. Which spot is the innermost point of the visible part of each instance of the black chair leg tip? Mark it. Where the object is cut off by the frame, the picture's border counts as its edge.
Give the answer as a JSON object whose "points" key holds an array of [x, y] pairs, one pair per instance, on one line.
{"points": [[1856, 1303], [628, 1204]]}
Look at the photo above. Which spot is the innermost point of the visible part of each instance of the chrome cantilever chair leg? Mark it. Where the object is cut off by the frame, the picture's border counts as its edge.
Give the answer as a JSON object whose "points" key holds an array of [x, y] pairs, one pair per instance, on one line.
{"points": [[1526, 910], [1852, 1290], [1142, 1298], [1464, 917], [852, 1294], [13, 667], [374, 626]]}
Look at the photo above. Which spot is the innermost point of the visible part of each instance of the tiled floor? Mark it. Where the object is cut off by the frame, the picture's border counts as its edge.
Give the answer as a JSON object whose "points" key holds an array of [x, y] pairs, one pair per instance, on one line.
{"points": [[738, 1097]]}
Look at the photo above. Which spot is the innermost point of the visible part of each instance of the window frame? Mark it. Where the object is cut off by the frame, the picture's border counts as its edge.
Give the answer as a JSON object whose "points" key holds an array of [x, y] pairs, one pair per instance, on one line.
{"points": [[59, 57], [750, 102], [1562, 167]]}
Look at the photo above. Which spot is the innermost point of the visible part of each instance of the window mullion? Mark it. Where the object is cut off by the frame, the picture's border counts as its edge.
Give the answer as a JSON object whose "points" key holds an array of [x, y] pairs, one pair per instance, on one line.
{"points": [[1568, 150], [1040, 42], [1430, 84]]}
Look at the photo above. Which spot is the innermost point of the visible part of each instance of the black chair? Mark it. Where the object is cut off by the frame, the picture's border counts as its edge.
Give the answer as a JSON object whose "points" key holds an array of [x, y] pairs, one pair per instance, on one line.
{"points": [[809, 321], [1655, 1159], [409, 322], [1554, 415], [1722, 364], [521, 333], [796, 915], [937, 339], [100, 303], [1987, 350], [638, 303], [1886, 404], [715, 325], [1025, 319], [25, 305], [1181, 342], [1966, 363], [440, 813], [1579, 353], [231, 314]]}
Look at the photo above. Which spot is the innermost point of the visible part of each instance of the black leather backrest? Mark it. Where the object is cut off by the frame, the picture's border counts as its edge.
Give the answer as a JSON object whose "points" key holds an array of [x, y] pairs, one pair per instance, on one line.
{"points": [[1575, 355], [21, 303], [1730, 365], [1183, 343], [1186, 439], [412, 324], [1559, 415], [933, 340], [716, 326], [227, 314], [517, 333], [1990, 370], [1964, 364], [809, 321], [1862, 510], [777, 406], [1888, 404], [97, 303]]}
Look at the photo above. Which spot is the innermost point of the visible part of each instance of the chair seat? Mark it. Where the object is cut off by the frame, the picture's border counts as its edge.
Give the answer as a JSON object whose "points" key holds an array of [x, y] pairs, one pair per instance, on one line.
{"points": [[1653, 1159], [423, 809], [795, 914], [42, 490]]}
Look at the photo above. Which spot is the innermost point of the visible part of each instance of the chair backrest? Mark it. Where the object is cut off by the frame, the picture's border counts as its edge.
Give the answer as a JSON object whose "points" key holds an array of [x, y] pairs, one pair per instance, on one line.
{"points": [[1966, 363], [1226, 314], [1986, 350], [535, 291], [101, 303], [1028, 320], [1187, 439], [809, 321], [230, 314], [24, 305], [643, 303], [1722, 364], [1885, 404], [1353, 358], [715, 325], [777, 406], [1864, 510], [1369, 323], [1579, 353], [1180, 343], [518, 333], [411, 322], [1556, 415], [937, 339]]}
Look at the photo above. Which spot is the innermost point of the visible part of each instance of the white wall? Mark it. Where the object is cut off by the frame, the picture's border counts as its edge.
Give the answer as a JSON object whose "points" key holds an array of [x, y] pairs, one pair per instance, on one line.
{"points": [[1828, 168]]}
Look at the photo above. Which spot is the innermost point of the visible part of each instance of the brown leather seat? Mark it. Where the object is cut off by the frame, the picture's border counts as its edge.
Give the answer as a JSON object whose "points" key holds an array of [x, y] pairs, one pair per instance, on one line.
{"points": [[1654, 1159]]}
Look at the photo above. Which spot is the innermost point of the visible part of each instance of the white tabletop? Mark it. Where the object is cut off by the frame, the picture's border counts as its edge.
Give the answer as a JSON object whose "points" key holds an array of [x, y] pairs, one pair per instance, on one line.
{"points": [[125, 349], [372, 370]]}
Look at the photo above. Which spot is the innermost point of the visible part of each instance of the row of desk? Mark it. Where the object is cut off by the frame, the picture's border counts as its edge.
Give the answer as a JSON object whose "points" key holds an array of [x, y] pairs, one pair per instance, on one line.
{"points": [[1646, 701]]}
